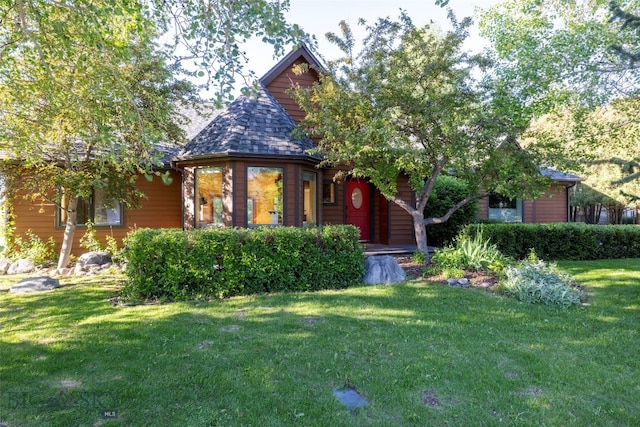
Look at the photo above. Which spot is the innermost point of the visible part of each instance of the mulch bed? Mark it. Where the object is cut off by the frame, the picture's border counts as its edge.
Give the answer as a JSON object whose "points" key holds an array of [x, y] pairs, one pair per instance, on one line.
{"points": [[413, 270]]}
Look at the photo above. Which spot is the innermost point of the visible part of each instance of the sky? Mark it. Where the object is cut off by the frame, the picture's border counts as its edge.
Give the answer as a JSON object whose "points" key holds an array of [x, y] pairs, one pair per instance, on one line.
{"points": [[321, 16]]}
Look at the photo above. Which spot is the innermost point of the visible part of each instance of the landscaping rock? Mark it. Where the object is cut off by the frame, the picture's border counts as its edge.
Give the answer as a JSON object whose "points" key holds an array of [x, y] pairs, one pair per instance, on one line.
{"points": [[34, 284], [89, 258], [5, 263], [21, 266], [383, 270], [78, 268]]}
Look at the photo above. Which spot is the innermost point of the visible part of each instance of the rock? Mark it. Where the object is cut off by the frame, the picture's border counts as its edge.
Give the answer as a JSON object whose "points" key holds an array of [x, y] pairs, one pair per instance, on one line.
{"points": [[63, 271], [452, 282], [464, 282], [383, 269], [34, 284], [5, 263], [79, 268], [21, 266], [99, 258]]}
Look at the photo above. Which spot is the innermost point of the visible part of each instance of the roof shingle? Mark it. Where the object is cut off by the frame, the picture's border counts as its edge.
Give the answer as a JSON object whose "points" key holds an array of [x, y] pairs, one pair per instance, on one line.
{"points": [[251, 125]]}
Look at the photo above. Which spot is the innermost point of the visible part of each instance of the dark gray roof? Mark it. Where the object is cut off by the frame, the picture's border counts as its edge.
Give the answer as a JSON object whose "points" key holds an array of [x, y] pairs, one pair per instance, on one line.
{"points": [[252, 125], [559, 176]]}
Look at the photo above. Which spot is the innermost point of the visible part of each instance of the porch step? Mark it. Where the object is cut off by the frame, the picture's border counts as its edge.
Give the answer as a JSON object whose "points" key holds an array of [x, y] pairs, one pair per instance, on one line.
{"points": [[380, 249]]}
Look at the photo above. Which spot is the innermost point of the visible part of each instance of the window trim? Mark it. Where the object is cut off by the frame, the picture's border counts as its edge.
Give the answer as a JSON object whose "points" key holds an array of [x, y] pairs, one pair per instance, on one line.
{"points": [[518, 210], [332, 200], [92, 215], [283, 170], [197, 200], [313, 200]]}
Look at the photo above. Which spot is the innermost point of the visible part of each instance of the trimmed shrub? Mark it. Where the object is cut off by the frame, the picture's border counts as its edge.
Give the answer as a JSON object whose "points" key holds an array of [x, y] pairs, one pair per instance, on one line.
{"points": [[218, 263], [562, 241], [446, 193]]}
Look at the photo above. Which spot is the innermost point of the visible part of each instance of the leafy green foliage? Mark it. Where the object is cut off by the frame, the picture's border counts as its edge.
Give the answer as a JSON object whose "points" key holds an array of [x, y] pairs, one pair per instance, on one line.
{"points": [[419, 257], [534, 281], [568, 241], [470, 253], [219, 263], [92, 93], [90, 241], [409, 105], [34, 248], [447, 191], [571, 66]]}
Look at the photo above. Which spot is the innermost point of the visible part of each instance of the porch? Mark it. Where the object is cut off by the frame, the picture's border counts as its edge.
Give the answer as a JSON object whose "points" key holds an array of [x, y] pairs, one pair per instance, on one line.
{"points": [[380, 249]]}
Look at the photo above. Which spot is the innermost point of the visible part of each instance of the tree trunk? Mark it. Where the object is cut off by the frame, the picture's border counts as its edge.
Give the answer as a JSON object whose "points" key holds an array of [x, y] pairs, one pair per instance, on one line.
{"points": [[420, 230], [69, 230]]}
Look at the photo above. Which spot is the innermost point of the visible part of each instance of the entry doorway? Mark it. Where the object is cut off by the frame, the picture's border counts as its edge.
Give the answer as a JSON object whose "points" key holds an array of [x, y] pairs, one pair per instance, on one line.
{"points": [[358, 207]]}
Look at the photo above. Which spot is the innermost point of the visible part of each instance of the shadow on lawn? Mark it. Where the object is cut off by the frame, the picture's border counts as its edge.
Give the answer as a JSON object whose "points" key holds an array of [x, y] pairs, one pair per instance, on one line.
{"points": [[268, 359]]}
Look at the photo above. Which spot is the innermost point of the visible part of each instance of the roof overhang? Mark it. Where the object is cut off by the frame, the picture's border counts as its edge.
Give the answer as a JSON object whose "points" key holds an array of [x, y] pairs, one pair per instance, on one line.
{"points": [[286, 62], [230, 155]]}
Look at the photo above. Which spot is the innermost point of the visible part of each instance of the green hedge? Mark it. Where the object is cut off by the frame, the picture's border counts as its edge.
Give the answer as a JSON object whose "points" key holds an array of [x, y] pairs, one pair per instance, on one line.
{"points": [[563, 241], [218, 263]]}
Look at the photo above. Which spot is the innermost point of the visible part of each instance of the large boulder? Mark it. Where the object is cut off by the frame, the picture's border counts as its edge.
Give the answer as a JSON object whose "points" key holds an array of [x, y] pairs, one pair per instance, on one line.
{"points": [[21, 266], [383, 269], [94, 258], [5, 263], [34, 284]]}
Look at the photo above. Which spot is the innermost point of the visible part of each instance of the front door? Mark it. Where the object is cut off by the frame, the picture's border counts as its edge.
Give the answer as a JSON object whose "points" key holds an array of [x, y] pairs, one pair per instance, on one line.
{"points": [[358, 212]]}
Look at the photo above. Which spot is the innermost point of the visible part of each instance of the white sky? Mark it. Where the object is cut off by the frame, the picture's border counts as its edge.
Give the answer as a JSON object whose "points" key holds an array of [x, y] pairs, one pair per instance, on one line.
{"points": [[321, 16]]}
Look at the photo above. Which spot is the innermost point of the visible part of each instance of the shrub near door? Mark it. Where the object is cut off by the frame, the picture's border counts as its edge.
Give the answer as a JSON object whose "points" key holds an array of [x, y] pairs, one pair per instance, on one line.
{"points": [[217, 263]]}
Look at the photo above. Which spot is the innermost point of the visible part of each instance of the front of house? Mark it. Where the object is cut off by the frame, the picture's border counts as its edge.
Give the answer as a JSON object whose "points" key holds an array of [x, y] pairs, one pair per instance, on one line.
{"points": [[247, 168]]}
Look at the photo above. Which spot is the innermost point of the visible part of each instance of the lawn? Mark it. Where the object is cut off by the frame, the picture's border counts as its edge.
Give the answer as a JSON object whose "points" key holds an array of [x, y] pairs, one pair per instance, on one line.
{"points": [[420, 353]]}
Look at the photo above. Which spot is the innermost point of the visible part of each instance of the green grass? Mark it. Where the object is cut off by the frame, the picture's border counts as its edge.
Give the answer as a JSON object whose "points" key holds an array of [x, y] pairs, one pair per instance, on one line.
{"points": [[422, 354]]}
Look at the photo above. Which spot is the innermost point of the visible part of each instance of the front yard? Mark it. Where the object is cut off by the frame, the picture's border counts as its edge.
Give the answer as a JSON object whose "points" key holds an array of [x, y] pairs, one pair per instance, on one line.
{"points": [[420, 354]]}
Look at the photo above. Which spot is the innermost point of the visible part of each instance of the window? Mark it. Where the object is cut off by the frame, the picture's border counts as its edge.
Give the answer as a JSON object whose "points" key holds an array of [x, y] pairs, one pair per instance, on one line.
{"points": [[505, 209], [265, 199], [209, 196], [310, 196], [96, 209], [329, 193]]}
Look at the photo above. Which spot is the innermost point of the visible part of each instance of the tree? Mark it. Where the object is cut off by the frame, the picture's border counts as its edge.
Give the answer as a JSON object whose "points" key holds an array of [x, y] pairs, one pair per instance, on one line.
{"points": [[408, 105], [572, 65], [608, 137], [88, 92]]}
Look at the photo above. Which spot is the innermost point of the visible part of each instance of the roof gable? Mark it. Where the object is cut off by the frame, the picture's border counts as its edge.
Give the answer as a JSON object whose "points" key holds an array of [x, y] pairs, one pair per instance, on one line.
{"points": [[286, 63], [251, 126]]}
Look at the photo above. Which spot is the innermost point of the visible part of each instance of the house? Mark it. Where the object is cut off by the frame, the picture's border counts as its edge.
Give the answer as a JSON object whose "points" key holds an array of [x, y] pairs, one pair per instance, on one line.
{"points": [[246, 168]]}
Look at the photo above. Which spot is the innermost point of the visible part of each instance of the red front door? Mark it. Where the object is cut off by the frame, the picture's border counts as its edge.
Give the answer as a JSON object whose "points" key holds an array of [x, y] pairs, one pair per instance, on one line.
{"points": [[358, 212]]}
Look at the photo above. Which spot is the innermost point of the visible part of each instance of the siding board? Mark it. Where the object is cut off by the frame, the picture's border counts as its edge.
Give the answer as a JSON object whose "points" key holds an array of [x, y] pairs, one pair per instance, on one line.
{"points": [[160, 209]]}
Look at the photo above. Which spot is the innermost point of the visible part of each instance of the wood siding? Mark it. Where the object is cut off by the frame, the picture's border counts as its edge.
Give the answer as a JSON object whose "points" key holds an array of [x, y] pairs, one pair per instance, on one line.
{"points": [[285, 81], [400, 222], [552, 206], [334, 213], [160, 209]]}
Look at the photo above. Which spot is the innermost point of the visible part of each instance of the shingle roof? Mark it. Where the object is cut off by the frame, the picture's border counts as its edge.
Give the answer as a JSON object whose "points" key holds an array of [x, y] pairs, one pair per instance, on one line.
{"points": [[559, 176], [251, 125]]}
